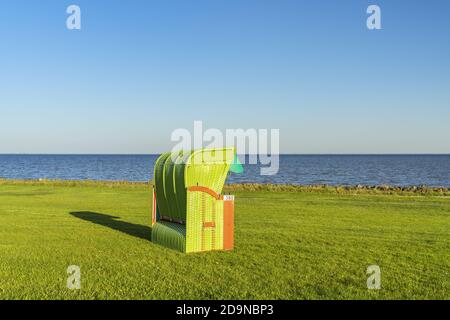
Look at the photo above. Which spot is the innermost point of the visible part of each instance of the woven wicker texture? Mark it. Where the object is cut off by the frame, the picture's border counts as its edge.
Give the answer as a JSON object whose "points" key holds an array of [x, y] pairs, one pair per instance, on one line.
{"points": [[204, 209], [199, 215], [158, 175], [171, 235], [209, 168]]}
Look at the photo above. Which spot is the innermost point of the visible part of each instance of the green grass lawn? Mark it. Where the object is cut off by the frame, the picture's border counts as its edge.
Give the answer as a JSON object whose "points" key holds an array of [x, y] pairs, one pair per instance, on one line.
{"points": [[289, 245]]}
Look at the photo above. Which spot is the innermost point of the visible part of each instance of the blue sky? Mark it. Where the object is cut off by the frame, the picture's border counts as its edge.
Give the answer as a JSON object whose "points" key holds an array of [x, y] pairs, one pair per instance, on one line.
{"points": [[137, 70]]}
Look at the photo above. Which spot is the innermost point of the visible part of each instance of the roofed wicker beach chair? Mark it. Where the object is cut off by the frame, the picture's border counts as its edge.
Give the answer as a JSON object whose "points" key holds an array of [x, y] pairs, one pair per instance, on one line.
{"points": [[189, 212]]}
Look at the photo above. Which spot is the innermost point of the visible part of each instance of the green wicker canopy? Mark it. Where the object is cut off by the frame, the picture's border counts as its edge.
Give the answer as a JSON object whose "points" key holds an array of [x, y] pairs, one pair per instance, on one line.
{"points": [[175, 172]]}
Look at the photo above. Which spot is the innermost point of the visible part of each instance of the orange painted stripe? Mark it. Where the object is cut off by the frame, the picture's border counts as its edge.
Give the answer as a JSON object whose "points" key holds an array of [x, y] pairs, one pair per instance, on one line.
{"points": [[202, 199], [154, 208], [228, 225], [213, 231], [205, 190], [209, 224]]}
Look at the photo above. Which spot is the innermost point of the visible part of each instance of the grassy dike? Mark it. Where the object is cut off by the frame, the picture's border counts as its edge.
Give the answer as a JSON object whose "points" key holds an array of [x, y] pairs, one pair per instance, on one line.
{"points": [[291, 243]]}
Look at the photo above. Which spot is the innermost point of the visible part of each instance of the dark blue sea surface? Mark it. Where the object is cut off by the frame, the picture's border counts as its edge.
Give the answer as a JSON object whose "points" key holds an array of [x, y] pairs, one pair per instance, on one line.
{"points": [[401, 170]]}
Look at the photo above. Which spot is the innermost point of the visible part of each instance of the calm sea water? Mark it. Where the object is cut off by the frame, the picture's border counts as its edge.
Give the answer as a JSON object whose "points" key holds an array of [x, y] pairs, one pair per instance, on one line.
{"points": [[402, 170]]}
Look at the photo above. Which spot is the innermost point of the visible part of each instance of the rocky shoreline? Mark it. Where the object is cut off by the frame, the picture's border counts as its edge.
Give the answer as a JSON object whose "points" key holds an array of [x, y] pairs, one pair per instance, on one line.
{"points": [[375, 189], [357, 189]]}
